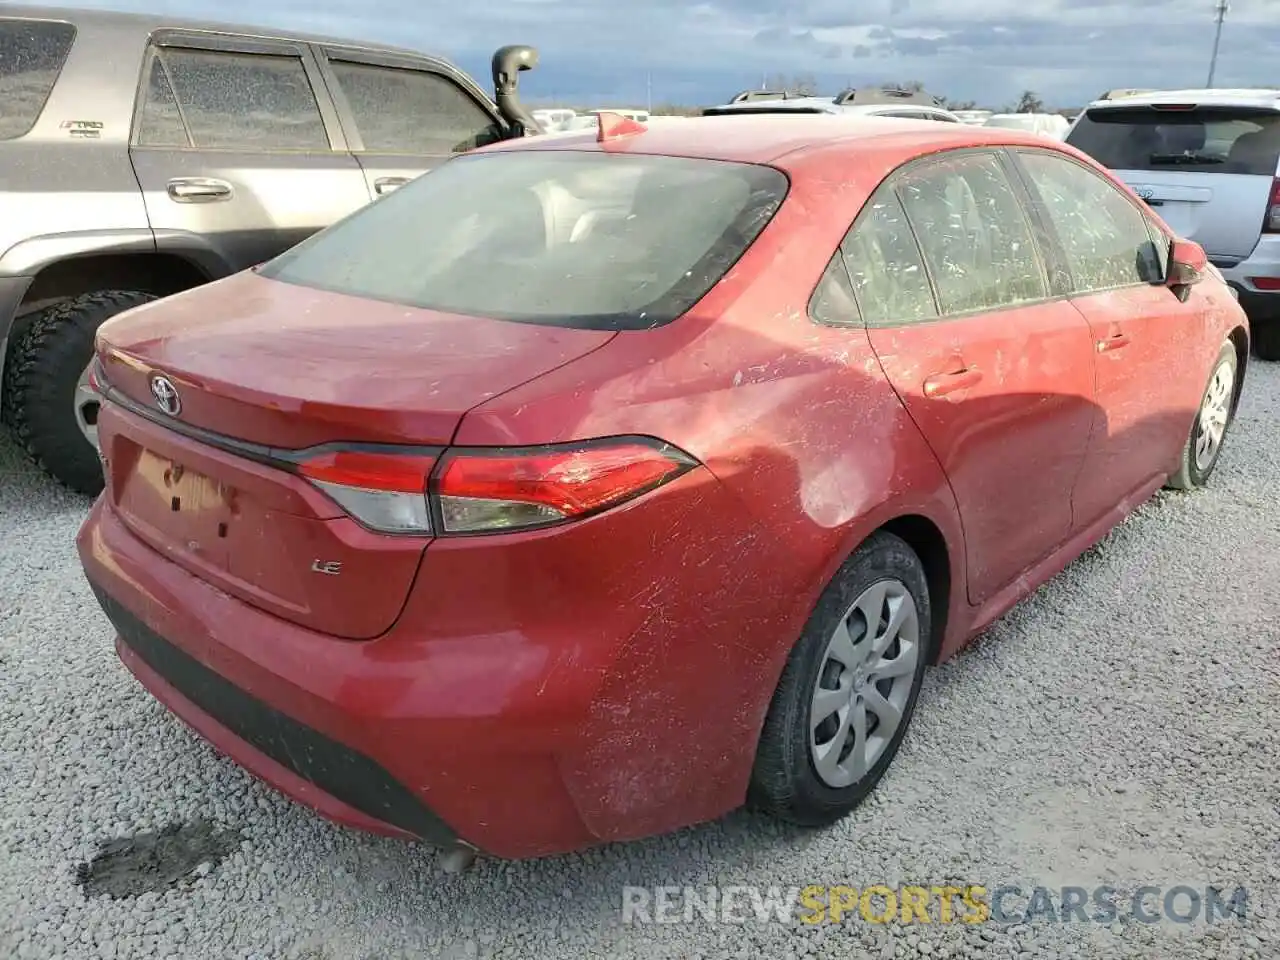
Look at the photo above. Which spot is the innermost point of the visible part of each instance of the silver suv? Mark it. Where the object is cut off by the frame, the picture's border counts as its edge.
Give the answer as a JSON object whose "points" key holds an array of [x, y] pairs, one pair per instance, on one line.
{"points": [[1208, 161], [141, 156], [863, 101]]}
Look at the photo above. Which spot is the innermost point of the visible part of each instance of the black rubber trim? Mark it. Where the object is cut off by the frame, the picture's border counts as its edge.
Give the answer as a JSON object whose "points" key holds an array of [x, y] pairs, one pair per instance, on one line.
{"points": [[339, 771]]}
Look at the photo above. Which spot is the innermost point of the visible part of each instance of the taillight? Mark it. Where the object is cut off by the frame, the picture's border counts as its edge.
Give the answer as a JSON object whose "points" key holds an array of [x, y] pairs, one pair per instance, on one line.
{"points": [[385, 491], [485, 490], [97, 376], [1272, 222]]}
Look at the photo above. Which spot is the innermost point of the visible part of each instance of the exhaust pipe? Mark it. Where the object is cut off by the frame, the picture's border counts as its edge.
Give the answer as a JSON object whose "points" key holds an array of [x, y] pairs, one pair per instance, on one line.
{"points": [[508, 63]]}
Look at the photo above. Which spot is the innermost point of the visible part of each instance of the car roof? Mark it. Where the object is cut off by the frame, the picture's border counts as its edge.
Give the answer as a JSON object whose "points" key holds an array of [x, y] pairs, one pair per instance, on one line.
{"points": [[87, 18], [1241, 97], [766, 138]]}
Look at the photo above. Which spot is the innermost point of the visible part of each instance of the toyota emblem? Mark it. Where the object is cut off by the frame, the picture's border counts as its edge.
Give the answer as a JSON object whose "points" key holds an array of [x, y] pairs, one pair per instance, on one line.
{"points": [[166, 395], [1146, 193]]}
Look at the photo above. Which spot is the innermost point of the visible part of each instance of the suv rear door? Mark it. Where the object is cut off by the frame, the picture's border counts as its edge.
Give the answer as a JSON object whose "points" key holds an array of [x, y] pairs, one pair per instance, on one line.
{"points": [[235, 141], [403, 115], [1207, 169]]}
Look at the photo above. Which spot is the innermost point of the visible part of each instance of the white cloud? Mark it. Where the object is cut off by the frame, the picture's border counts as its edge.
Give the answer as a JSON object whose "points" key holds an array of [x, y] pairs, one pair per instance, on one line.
{"points": [[988, 50]]}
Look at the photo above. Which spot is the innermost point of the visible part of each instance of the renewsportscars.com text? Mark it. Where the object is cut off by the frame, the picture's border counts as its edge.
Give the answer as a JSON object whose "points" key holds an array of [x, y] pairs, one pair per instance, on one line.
{"points": [[959, 904]]}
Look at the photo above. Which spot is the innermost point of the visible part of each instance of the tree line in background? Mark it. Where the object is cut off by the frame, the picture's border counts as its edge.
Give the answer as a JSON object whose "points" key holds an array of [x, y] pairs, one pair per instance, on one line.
{"points": [[806, 85]]}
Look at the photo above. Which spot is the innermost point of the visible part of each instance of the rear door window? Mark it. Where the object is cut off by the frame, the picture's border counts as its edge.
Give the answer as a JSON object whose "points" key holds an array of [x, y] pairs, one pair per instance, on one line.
{"points": [[32, 53], [413, 112], [1200, 139], [974, 233], [214, 100]]}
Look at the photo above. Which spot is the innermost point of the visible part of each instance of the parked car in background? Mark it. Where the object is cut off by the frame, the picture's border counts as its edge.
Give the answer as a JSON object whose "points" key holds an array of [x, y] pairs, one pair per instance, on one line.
{"points": [[1046, 124], [555, 119], [589, 486], [975, 117], [865, 101], [144, 155], [1208, 161]]}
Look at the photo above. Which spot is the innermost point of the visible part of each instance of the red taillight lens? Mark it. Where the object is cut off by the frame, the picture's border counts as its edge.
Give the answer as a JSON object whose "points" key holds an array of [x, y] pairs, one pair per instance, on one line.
{"points": [[1272, 222], [478, 491], [385, 491], [97, 376], [504, 490]]}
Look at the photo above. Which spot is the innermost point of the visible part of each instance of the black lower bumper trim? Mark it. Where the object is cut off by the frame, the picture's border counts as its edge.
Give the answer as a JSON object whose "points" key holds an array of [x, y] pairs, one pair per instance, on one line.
{"points": [[339, 771], [1260, 307]]}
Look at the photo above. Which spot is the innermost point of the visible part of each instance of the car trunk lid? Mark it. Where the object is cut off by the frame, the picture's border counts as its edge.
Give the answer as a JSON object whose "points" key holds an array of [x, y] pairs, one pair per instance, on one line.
{"points": [[288, 366]]}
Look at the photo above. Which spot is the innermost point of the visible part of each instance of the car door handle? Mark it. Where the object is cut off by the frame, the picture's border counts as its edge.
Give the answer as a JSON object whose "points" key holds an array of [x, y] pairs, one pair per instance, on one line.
{"points": [[198, 190], [387, 184], [1113, 342], [940, 384]]}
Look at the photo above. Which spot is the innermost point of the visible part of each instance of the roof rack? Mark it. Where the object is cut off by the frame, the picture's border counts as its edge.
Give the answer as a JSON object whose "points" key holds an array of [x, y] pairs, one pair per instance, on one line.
{"points": [[1121, 93], [878, 95], [746, 96], [729, 110]]}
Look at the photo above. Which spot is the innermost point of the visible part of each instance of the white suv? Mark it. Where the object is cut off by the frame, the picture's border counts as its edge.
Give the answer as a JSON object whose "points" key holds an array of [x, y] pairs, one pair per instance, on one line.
{"points": [[865, 101], [1208, 162]]}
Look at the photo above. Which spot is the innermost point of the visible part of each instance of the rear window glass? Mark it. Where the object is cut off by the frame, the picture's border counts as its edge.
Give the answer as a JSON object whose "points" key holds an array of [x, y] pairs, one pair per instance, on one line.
{"points": [[1205, 140], [32, 53], [574, 239]]}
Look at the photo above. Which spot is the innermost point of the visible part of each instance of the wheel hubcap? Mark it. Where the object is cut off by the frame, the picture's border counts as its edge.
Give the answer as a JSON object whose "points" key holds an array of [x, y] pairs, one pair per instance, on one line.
{"points": [[864, 683], [1214, 414], [87, 403]]}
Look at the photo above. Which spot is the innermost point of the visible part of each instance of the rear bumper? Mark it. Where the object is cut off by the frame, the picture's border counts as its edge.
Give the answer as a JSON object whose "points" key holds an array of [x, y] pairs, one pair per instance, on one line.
{"points": [[331, 778], [1264, 262], [518, 705]]}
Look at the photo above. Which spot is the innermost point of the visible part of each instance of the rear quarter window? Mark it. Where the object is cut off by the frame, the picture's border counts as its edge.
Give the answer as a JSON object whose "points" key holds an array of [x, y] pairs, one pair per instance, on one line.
{"points": [[1204, 140], [32, 53]]}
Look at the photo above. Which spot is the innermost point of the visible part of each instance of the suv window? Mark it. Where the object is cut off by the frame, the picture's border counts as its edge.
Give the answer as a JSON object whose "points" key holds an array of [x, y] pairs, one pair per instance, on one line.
{"points": [[1205, 139], [889, 279], [210, 100], [412, 111], [1104, 236], [32, 53], [974, 233]]}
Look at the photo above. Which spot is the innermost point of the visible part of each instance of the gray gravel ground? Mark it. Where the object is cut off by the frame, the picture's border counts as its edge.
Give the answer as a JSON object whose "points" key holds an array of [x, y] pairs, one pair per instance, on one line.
{"points": [[1119, 728]]}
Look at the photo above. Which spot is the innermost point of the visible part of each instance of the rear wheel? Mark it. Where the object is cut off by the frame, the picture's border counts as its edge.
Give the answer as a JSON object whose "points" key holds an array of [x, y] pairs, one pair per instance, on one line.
{"points": [[1266, 339], [52, 409], [848, 690], [1209, 431]]}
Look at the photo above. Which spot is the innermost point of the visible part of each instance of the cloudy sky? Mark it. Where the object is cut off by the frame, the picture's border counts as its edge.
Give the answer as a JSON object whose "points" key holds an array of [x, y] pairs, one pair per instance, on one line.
{"points": [[616, 51]]}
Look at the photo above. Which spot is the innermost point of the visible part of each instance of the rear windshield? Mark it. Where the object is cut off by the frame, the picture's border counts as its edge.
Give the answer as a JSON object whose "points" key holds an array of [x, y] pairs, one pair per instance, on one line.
{"points": [[570, 238], [32, 53], [1204, 139]]}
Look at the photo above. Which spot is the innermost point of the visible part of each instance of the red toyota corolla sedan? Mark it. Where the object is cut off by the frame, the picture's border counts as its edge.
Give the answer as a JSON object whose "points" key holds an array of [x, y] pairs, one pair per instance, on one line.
{"points": [[591, 486]]}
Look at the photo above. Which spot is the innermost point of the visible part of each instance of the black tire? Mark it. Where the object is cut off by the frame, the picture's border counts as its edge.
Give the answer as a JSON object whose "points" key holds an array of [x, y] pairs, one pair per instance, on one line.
{"points": [[41, 373], [1266, 339], [785, 781], [1192, 475]]}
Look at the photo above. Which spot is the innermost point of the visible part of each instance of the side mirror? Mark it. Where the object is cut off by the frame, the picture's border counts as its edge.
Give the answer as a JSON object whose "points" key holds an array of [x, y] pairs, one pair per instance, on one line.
{"points": [[508, 63], [1187, 266]]}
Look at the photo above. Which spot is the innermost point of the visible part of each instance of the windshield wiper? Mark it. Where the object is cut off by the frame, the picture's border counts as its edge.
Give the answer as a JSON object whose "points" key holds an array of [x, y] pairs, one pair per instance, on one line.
{"points": [[1179, 158]]}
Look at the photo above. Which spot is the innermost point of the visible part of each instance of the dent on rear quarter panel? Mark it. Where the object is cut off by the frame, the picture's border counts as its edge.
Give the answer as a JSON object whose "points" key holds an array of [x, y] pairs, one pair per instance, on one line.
{"points": [[810, 450]]}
